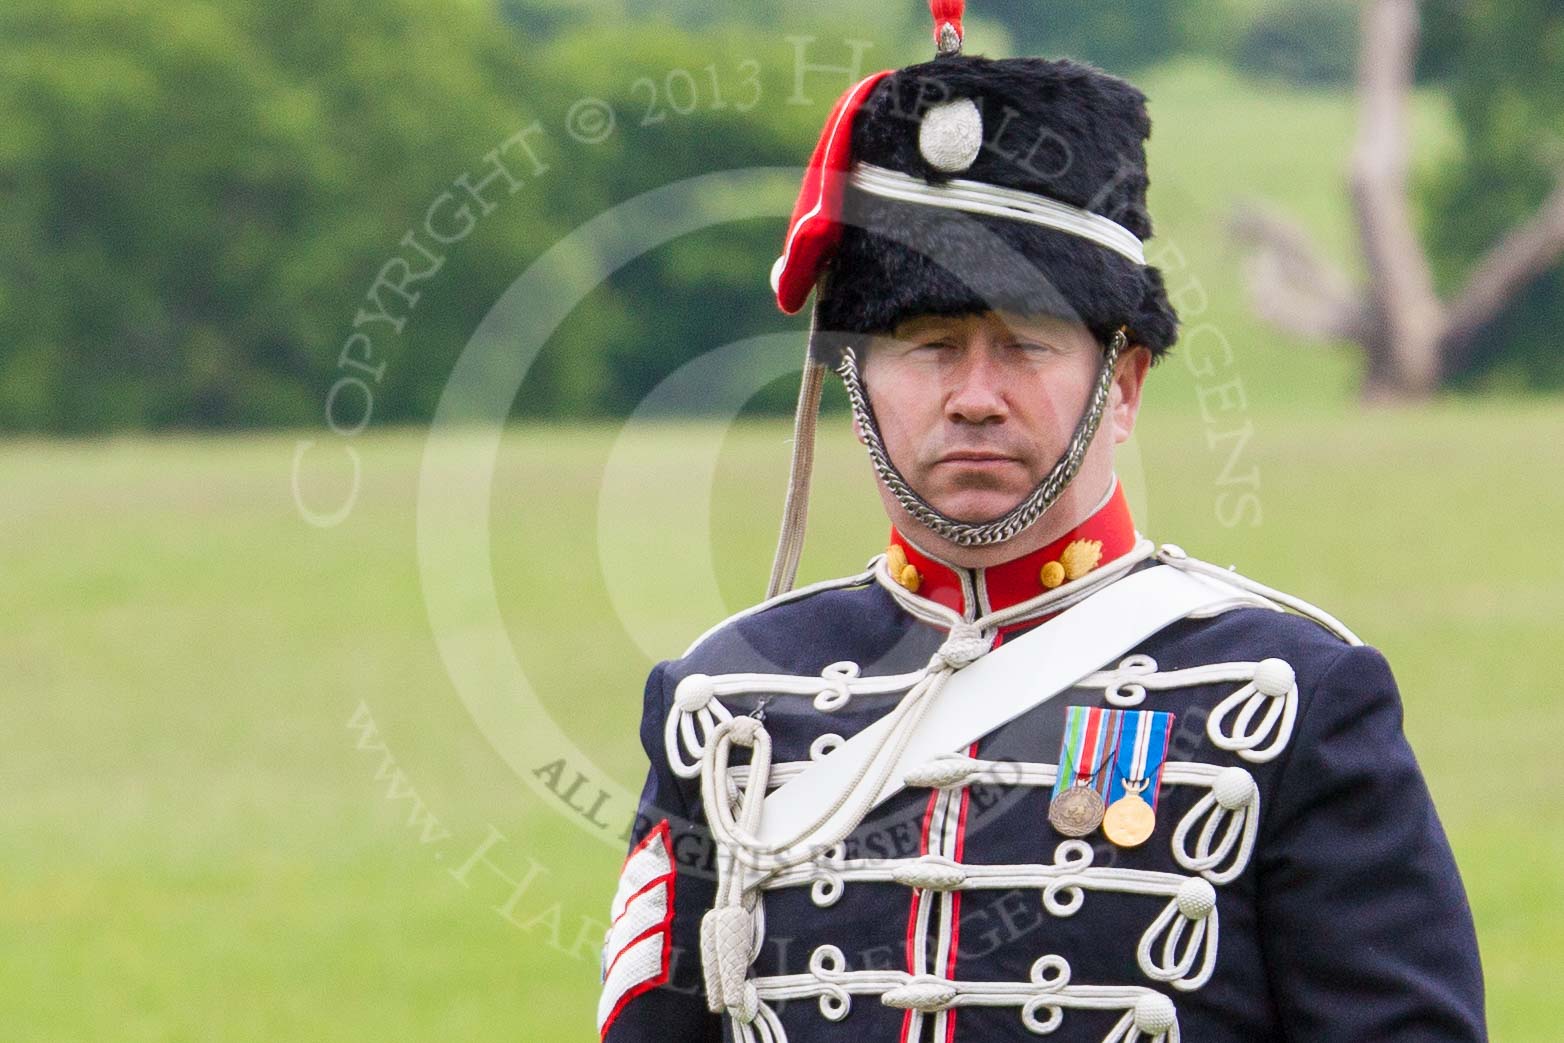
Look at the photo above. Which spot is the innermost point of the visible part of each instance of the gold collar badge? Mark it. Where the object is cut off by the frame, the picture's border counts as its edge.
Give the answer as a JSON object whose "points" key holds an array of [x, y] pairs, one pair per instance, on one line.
{"points": [[1077, 559], [902, 571]]}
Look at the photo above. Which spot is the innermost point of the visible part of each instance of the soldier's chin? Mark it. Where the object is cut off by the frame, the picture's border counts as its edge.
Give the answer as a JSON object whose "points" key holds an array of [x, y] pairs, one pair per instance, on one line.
{"points": [[976, 506]]}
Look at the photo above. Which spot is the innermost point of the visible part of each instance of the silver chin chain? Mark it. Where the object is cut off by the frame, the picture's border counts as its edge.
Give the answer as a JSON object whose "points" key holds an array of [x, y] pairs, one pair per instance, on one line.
{"points": [[1023, 514]]}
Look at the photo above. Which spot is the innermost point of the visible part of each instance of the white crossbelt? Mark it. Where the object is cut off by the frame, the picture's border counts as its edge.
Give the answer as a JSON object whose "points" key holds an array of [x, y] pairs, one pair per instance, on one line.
{"points": [[1022, 673]]}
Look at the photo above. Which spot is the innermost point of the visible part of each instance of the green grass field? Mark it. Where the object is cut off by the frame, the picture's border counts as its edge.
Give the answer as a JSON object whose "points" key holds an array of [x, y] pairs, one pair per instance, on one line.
{"points": [[197, 845]]}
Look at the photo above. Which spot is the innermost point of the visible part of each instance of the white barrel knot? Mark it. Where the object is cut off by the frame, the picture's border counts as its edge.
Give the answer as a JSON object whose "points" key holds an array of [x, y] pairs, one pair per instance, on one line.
{"points": [[1274, 677], [694, 693], [941, 772], [963, 646], [743, 730], [932, 873], [1222, 826], [749, 1006], [1155, 1014], [1233, 788], [925, 995], [1196, 898], [728, 936], [1256, 721]]}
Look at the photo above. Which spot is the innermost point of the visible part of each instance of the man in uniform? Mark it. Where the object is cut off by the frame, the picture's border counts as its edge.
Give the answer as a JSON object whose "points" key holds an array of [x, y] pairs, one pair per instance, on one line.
{"points": [[1028, 774]]}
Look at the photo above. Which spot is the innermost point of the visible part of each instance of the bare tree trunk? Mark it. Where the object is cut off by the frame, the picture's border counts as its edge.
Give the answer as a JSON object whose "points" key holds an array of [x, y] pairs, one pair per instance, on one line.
{"points": [[1411, 339], [1523, 255], [1400, 290]]}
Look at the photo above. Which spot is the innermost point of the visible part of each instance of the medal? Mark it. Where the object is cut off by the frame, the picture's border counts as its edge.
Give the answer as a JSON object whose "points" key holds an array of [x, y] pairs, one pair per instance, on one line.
{"points": [[1077, 806], [1143, 741], [1076, 811], [1130, 821]]}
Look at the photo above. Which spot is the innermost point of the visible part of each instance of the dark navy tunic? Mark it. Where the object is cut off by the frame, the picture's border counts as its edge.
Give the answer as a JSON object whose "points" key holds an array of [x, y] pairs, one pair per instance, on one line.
{"points": [[1347, 920]]}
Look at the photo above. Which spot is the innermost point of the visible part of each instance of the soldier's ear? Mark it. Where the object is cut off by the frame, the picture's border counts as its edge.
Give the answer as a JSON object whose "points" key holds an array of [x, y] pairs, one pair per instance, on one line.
{"points": [[1129, 378]]}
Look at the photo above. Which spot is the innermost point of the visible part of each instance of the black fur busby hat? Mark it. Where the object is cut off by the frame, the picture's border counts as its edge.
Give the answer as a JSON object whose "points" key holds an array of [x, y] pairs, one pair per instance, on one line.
{"points": [[965, 184], [1059, 129], [958, 186]]}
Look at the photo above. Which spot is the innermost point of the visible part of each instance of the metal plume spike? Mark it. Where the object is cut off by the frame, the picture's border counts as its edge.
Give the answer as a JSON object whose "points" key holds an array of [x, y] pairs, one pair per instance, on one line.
{"points": [[949, 40]]}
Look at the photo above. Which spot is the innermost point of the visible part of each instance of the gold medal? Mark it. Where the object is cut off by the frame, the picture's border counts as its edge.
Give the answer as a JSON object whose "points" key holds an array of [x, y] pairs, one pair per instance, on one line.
{"points": [[1076, 811], [1130, 821]]}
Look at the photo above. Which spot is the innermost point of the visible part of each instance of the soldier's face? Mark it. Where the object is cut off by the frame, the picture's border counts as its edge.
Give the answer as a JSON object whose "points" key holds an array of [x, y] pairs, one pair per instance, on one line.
{"points": [[975, 410]]}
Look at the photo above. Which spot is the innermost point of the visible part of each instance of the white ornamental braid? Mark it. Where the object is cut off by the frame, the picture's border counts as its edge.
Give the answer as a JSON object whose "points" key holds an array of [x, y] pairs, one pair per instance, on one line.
{"points": [[766, 1028], [1232, 806], [697, 708], [1194, 907], [697, 711], [731, 932], [692, 724], [1180, 945], [965, 644], [1227, 816], [1272, 686], [1174, 555], [1062, 886], [1041, 1000], [1225, 819]]}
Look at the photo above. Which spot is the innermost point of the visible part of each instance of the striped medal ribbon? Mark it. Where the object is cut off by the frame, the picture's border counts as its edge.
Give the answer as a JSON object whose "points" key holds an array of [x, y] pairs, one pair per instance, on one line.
{"points": [[1087, 747], [1142, 750]]}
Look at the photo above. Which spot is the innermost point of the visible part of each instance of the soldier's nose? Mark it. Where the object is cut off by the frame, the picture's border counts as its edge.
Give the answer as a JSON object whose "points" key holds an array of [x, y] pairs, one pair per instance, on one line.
{"points": [[977, 395]]}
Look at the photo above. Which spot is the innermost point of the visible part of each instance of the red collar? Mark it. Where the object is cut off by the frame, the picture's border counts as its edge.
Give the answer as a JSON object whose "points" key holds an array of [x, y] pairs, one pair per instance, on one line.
{"points": [[1108, 533]]}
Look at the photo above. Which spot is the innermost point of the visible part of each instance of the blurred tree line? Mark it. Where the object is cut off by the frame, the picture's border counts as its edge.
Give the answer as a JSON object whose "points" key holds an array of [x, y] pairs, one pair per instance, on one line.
{"points": [[1502, 64], [201, 199]]}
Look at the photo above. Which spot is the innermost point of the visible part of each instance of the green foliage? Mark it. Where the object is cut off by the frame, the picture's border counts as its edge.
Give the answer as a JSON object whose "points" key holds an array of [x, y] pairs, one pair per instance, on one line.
{"points": [[1119, 35], [687, 104], [201, 196], [204, 195], [1301, 41], [1503, 66], [205, 187]]}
